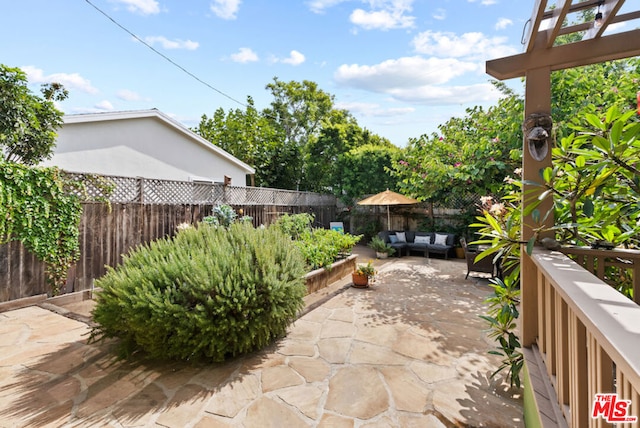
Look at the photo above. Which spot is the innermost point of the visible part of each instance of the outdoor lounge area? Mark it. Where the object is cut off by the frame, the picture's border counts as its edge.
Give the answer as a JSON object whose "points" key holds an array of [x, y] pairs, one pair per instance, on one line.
{"points": [[405, 242], [551, 176], [409, 351]]}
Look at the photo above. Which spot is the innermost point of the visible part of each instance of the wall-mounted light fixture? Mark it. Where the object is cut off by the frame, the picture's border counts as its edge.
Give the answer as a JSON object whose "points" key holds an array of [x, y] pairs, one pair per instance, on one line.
{"points": [[599, 18]]}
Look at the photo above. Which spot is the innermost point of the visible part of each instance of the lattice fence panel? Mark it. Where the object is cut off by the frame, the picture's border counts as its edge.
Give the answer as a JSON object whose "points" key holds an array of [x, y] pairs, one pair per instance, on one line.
{"points": [[104, 187], [258, 196], [156, 191], [167, 192], [234, 195], [205, 193]]}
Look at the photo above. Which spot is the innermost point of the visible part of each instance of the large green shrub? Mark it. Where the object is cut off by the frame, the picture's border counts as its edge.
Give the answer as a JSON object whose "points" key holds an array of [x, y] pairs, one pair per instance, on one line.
{"points": [[207, 293]]}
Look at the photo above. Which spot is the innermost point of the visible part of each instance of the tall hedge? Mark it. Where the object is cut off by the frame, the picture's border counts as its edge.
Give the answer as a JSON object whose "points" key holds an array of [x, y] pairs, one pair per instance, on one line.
{"points": [[207, 293]]}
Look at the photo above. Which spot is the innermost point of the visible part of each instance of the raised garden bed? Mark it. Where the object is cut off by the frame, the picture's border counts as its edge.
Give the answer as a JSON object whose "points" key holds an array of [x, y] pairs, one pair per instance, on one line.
{"points": [[321, 278]]}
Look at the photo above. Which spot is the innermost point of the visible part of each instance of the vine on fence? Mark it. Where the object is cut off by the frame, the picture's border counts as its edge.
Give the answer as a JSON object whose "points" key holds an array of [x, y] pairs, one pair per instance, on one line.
{"points": [[36, 210]]}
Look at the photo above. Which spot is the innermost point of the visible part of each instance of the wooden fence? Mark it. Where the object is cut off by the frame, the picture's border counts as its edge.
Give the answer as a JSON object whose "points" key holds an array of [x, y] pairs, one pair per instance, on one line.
{"points": [[105, 235]]}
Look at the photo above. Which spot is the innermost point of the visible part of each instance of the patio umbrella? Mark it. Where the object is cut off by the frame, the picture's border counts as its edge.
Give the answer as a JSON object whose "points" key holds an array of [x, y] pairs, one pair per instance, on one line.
{"points": [[388, 198]]}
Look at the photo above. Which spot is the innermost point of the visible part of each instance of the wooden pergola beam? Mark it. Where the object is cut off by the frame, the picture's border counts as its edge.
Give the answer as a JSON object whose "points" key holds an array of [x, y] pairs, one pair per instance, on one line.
{"points": [[600, 49]]}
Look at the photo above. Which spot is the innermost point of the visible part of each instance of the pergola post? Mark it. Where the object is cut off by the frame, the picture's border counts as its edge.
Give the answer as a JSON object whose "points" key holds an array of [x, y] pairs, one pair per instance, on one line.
{"points": [[537, 101], [543, 56]]}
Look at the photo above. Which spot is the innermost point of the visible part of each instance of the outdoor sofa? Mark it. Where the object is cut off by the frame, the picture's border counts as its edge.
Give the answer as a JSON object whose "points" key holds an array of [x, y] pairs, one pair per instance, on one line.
{"points": [[424, 242]]}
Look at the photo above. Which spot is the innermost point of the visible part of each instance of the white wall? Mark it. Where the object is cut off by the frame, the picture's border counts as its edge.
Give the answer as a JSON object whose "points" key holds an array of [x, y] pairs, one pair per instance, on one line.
{"points": [[141, 147]]}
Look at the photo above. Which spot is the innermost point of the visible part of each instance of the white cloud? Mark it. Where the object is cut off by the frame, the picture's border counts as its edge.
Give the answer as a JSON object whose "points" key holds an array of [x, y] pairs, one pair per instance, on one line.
{"points": [[295, 58], [225, 9], [468, 45], [104, 105], [485, 2], [416, 80], [145, 7], [503, 23], [244, 55], [407, 72], [392, 16], [70, 81], [374, 109], [380, 15], [127, 95], [439, 14], [447, 95], [172, 44], [318, 6]]}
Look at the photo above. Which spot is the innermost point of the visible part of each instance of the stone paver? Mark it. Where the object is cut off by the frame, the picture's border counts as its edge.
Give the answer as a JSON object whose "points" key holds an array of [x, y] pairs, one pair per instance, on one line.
{"points": [[409, 351]]}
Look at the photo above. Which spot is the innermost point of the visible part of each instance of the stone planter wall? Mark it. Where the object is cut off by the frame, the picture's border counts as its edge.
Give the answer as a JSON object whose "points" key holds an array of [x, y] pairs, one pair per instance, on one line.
{"points": [[321, 278]]}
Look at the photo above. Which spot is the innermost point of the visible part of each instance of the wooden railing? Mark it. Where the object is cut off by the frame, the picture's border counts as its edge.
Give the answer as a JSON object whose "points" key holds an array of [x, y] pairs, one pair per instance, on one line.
{"points": [[626, 264], [587, 335]]}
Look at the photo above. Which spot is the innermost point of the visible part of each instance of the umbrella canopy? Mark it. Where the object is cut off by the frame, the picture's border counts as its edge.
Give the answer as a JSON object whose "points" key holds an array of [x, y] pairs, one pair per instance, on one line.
{"points": [[388, 198]]}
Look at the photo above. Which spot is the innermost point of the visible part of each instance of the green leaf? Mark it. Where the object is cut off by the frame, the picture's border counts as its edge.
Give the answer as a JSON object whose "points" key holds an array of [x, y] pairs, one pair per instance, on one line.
{"points": [[612, 113], [614, 134], [595, 121], [535, 216], [588, 207], [601, 143], [530, 244]]}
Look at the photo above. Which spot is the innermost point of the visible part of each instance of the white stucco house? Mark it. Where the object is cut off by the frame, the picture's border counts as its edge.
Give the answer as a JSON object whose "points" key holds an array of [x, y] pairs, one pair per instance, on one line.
{"points": [[142, 143]]}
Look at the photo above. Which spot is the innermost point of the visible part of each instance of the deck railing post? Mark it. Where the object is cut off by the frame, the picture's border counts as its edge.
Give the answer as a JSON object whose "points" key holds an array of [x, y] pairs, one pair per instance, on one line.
{"points": [[528, 301], [579, 402], [562, 351]]}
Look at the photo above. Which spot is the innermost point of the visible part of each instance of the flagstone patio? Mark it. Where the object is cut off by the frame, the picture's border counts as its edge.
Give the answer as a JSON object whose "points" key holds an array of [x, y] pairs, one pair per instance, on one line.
{"points": [[410, 351]]}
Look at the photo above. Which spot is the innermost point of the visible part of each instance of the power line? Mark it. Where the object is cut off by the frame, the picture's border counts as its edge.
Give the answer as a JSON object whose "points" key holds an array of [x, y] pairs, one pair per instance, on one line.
{"points": [[181, 68]]}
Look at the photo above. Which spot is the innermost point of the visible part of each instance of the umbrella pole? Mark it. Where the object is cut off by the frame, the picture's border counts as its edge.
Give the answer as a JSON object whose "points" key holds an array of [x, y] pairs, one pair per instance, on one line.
{"points": [[388, 218]]}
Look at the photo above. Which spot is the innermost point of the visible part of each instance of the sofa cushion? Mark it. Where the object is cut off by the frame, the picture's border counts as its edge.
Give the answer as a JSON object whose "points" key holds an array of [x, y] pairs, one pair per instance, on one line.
{"points": [[422, 239], [393, 238], [440, 239], [401, 237]]}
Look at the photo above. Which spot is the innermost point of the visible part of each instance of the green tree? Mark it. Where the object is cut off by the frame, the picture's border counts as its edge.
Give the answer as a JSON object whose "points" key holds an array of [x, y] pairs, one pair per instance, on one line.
{"points": [[472, 154], [252, 138], [338, 136], [298, 111], [364, 170], [27, 121], [477, 152], [595, 180], [592, 89], [296, 143]]}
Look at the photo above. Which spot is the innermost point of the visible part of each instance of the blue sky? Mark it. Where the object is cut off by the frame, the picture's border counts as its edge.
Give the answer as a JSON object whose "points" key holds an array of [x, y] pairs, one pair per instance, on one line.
{"points": [[401, 67]]}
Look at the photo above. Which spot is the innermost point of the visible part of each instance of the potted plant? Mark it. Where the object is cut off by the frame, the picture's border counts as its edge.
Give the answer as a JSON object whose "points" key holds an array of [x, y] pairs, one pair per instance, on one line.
{"points": [[382, 249], [362, 275], [459, 251]]}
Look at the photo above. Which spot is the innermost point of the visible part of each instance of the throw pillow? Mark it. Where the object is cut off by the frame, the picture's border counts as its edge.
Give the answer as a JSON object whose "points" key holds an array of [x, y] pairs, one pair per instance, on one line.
{"points": [[422, 240], [440, 239], [401, 237], [393, 238]]}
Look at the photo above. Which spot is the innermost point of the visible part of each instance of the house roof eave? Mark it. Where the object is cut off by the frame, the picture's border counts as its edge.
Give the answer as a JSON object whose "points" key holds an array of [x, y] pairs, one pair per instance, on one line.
{"points": [[157, 114]]}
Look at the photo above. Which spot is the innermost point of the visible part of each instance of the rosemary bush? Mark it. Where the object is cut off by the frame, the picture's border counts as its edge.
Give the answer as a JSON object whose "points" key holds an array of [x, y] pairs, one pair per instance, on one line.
{"points": [[208, 293]]}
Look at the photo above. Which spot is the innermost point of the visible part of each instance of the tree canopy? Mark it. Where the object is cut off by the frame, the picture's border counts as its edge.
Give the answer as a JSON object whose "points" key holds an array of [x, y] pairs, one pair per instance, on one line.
{"points": [[470, 154], [27, 121], [479, 152], [302, 141]]}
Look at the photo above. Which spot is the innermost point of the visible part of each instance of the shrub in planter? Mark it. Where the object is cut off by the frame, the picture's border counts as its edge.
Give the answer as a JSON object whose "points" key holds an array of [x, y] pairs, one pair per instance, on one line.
{"points": [[322, 247], [207, 293]]}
